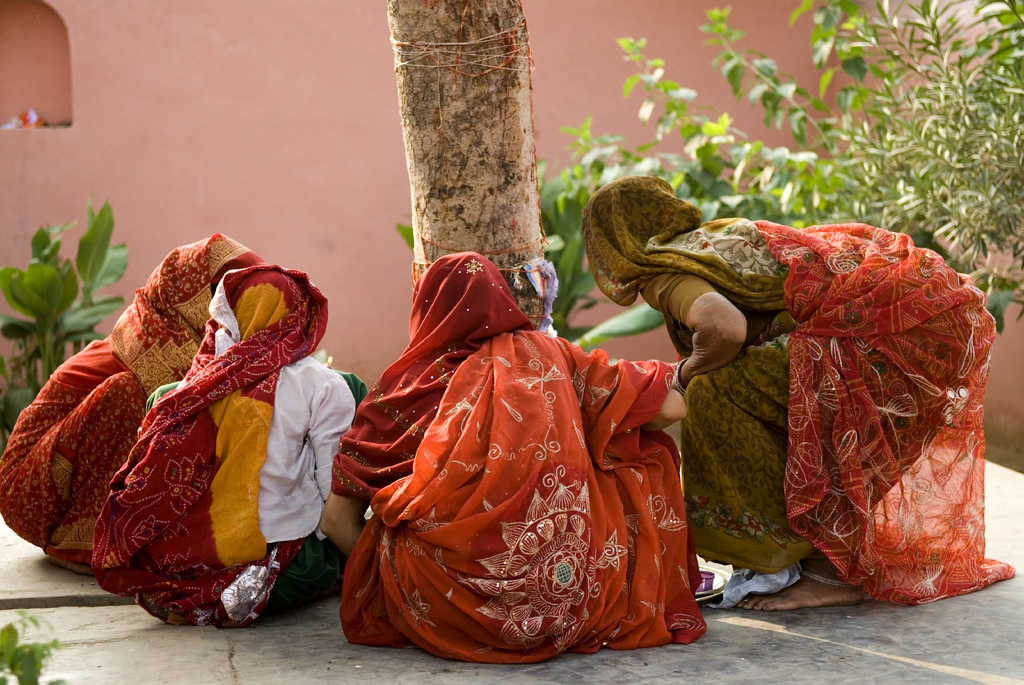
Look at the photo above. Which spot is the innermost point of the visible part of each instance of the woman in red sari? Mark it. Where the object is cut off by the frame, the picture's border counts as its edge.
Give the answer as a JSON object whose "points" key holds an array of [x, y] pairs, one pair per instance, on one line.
{"points": [[68, 444], [524, 502], [182, 529], [834, 380]]}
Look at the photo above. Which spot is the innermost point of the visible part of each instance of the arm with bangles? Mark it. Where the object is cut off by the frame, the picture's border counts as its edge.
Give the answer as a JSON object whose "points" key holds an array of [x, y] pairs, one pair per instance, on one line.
{"points": [[719, 328]]}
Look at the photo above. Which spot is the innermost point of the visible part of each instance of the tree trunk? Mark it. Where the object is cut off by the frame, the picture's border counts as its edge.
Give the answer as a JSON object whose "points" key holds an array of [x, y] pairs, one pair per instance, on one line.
{"points": [[463, 71]]}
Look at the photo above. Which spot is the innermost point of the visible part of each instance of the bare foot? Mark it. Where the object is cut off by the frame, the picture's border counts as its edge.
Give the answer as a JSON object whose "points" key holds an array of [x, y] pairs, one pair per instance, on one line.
{"points": [[75, 566], [808, 592]]}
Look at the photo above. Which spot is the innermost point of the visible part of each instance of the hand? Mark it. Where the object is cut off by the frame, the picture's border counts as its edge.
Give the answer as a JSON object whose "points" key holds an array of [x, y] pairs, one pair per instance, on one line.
{"points": [[719, 331]]}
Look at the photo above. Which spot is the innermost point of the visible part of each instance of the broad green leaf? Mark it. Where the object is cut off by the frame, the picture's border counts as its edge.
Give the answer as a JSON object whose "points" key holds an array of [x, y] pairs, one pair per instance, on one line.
{"points": [[798, 124], [42, 290], [405, 231], [856, 67], [40, 241], [846, 98], [629, 84], [582, 285], [766, 66], [114, 267], [79, 318], [70, 290], [92, 248], [555, 243], [687, 94], [822, 50], [27, 666], [81, 337], [805, 6], [823, 83], [998, 301], [7, 275], [15, 329], [8, 641], [827, 17], [638, 319]]}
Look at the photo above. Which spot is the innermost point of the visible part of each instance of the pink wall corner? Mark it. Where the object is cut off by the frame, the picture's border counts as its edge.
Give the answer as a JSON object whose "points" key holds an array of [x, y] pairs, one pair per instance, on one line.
{"points": [[35, 61]]}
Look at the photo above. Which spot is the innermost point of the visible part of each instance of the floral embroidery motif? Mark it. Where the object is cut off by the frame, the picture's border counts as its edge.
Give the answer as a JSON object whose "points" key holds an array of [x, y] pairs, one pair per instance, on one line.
{"points": [[473, 266], [546, 570], [752, 525]]}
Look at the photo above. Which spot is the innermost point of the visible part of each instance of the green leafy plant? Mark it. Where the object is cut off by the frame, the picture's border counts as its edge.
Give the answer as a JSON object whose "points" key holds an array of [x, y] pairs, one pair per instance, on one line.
{"points": [[561, 202], [23, 660], [60, 304], [924, 135], [927, 137]]}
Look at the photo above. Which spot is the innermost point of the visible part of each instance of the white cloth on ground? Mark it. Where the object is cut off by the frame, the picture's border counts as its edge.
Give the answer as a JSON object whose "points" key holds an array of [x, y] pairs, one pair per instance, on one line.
{"points": [[744, 582], [313, 407]]}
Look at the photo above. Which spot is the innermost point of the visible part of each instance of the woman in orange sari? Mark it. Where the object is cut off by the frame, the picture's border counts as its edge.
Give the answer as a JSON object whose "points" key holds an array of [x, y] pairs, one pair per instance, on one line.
{"points": [[68, 444], [524, 502]]}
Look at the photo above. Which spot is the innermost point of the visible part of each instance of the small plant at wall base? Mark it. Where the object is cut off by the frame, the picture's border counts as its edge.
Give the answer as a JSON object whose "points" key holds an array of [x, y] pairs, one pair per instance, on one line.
{"points": [[23, 660], [59, 299]]}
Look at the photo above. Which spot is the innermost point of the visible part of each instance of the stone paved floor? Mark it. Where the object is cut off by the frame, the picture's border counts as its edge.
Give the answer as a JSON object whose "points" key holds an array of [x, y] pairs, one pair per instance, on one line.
{"points": [[977, 638]]}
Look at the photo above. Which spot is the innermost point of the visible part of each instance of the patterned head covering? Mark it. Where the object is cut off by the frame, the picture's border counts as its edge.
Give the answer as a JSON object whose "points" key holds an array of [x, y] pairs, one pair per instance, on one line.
{"points": [[459, 303], [159, 333], [635, 228]]}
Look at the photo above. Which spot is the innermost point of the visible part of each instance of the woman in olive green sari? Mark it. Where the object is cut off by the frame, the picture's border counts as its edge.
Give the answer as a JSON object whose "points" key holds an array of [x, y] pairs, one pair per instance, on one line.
{"points": [[833, 379]]}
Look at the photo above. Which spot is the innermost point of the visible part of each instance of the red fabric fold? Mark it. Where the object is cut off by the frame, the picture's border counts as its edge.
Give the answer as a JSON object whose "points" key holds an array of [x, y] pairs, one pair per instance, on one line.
{"points": [[76, 434], [888, 368]]}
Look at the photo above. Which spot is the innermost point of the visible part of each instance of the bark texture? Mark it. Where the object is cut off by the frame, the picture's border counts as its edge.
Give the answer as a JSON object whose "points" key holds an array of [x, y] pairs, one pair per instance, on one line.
{"points": [[463, 72]]}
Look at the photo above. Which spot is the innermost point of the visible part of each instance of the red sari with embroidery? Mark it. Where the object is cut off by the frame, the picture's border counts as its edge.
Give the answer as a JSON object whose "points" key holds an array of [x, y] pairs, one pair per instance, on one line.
{"points": [[76, 434], [888, 367], [536, 516], [180, 529]]}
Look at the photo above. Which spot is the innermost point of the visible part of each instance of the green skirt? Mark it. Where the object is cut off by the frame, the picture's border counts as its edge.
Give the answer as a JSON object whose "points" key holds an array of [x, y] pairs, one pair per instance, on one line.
{"points": [[313, 573], [734, 443]]}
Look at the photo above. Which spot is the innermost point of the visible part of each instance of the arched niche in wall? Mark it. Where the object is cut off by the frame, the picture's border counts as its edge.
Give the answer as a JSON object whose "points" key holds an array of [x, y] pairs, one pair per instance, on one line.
{"points": [[35, 62]]}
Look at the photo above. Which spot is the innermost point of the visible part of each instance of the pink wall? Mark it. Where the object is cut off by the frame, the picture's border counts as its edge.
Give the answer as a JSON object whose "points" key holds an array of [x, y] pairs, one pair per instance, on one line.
{"points": [[33, 41], [277, 123]]}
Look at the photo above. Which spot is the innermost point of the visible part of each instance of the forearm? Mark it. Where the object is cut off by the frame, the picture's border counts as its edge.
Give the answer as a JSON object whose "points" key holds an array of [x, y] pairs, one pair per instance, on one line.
{"points": [[672, 409], [719, 331], [342, 521]]}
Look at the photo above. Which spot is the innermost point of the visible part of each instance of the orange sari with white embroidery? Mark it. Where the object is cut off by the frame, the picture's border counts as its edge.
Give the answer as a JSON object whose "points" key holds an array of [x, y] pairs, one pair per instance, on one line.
{"points": [[538, 516]]}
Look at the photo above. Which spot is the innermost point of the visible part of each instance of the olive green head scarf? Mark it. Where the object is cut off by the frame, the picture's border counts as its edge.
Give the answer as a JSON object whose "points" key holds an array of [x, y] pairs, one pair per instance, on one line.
{"points": [[636, 227]]}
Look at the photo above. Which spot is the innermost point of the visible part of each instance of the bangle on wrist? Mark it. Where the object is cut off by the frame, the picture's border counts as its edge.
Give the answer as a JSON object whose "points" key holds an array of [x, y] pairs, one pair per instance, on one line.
{"points": [[677, 383]]}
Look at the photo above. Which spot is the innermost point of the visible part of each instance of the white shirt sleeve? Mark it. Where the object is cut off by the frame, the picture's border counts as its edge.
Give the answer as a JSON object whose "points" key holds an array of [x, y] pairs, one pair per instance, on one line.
{"points": [[332, 411]]}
